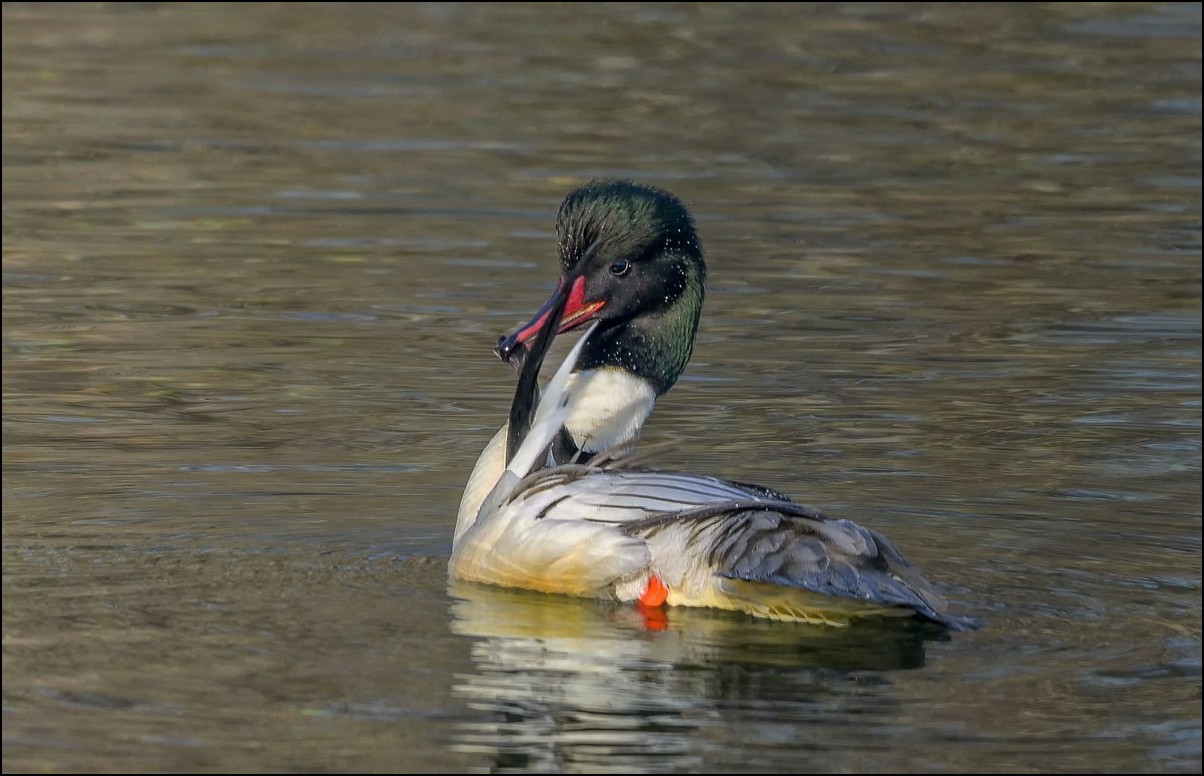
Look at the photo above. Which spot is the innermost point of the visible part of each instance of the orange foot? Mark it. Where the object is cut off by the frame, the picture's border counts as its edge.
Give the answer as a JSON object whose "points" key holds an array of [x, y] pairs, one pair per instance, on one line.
{"points": [[652, 604], [656, 592]]}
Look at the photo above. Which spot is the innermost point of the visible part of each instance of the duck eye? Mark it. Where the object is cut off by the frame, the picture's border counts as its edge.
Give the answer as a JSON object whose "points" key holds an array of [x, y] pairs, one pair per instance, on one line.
{"points": [[620, 267]]}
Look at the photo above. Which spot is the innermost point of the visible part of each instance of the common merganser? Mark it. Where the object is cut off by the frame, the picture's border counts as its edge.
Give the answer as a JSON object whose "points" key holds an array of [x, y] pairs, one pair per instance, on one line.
{"points": [[550, 505]]}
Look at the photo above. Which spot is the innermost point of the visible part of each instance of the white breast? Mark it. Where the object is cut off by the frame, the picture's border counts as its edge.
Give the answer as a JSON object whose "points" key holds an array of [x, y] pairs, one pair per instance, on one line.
{"points": [[609, 407]]}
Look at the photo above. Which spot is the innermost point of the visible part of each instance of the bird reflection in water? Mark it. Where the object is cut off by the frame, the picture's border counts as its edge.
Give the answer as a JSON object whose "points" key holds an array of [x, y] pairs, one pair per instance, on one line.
{"points": [[582, 685]]}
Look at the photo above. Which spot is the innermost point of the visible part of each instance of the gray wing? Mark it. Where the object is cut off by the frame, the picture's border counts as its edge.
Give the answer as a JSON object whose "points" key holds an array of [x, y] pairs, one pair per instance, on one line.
{"points": [[791, 545], [582, 492]]}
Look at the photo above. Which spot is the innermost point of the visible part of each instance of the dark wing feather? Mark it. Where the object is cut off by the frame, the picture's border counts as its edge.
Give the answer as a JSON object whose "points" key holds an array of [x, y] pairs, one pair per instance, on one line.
{"points": [[788, 544]]}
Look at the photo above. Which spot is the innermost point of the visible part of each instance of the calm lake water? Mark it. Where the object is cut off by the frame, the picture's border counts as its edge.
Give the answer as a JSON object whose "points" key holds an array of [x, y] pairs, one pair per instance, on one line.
{"points": [[255, 261]]}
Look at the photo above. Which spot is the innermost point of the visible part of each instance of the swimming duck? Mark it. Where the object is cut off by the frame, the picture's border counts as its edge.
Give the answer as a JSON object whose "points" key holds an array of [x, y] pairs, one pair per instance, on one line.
{"points": [[554, 505]]}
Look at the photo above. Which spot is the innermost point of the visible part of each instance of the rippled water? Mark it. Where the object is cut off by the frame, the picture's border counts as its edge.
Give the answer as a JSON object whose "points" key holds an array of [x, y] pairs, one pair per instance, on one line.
{"points": [[255, 259]]}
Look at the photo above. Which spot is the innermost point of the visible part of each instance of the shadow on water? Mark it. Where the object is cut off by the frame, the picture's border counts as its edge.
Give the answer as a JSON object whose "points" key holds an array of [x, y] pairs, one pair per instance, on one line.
{"points": [[587, 685]]}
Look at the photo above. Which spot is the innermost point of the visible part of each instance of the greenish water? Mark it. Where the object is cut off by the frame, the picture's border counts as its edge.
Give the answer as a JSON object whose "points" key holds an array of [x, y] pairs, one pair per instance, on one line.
{"points": [[255, 259]]}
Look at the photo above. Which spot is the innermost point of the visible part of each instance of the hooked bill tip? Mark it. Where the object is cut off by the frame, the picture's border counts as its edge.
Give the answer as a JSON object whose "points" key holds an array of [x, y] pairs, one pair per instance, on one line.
{"points": [[511, 351]]}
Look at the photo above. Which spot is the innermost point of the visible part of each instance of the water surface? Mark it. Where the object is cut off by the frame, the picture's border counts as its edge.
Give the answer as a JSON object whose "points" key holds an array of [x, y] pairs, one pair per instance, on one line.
{"points": [[255, 259]]}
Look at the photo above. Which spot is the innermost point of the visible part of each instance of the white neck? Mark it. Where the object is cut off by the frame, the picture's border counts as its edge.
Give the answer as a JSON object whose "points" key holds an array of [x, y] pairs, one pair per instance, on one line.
{"points": [[608, 408]]}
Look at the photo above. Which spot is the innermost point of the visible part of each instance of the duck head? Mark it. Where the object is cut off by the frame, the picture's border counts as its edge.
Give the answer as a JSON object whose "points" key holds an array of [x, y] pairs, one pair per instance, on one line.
{"points": [[630, 259]]}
